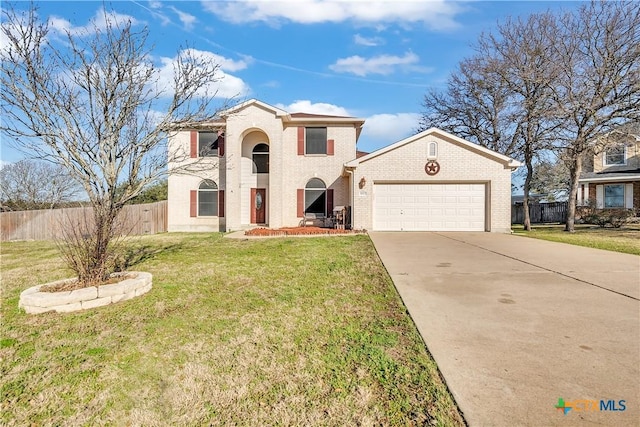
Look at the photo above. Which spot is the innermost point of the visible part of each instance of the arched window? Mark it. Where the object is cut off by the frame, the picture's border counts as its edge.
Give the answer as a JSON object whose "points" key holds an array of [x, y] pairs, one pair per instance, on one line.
{"points": [[432, 152], [208, 198], [315, 197], [261, 158]]}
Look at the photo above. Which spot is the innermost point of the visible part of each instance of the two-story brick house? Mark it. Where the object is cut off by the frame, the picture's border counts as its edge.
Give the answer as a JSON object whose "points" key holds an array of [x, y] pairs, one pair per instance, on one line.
{"points": [[260, 165], [612, 176], [266, 167]]}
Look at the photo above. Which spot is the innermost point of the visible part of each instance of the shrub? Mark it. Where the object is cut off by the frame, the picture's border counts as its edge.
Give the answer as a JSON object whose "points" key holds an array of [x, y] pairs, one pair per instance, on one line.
{"points": [[615, 218], [586, 214], [619, 217]]}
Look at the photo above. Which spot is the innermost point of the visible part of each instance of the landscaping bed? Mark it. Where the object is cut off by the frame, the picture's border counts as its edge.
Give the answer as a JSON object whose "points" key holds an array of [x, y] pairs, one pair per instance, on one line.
{"points": [[297, 231], [64, 296]]}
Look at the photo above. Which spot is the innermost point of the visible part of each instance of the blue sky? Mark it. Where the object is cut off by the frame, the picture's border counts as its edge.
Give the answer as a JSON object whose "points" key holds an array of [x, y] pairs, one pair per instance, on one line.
{"points": [[370, 59]]}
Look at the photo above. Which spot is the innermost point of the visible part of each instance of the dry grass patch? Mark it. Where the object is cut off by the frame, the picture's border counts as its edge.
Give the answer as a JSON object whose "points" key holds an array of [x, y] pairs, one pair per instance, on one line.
{"points": [[273, 332]]}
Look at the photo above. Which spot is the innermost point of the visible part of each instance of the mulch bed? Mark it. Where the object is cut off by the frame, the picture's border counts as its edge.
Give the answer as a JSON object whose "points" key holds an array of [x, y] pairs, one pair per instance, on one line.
{"points": [[74, 284], [297, 231]]}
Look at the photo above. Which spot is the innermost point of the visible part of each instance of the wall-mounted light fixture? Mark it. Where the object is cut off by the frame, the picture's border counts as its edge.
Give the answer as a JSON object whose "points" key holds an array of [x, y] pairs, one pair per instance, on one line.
{"points": [[362, 183]]}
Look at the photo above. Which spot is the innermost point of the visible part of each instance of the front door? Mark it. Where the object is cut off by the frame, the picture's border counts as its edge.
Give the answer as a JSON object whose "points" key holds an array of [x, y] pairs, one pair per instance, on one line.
{"points": [[258, 205]]}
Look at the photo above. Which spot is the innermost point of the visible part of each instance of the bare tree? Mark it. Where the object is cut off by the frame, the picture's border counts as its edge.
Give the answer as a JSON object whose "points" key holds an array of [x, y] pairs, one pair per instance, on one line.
{"points": [[29, 184], [475, 106], [96, 104], [551, 179], [547, 82], [501, 97], [599, 85], [522, 56]]}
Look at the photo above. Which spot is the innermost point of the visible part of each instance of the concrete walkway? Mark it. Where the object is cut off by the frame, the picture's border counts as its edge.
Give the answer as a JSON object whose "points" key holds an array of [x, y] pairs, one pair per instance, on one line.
{"points": [[517, 323]]}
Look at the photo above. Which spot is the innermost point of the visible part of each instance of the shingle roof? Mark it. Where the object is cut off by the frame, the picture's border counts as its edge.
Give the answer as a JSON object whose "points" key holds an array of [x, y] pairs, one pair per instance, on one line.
{"points": [[309, 115], [633, 173]]}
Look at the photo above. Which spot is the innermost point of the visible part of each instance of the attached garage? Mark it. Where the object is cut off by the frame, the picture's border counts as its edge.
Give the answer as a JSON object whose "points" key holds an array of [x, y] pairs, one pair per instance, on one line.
{"points": [[432, 181], [429, 207]]}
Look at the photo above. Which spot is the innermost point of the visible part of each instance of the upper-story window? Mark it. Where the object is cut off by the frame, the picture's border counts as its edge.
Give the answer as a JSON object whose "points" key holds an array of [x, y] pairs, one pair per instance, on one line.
{"points": [[315, 141], [207, 144], [261, 158], [312, 141], [615, 156]]}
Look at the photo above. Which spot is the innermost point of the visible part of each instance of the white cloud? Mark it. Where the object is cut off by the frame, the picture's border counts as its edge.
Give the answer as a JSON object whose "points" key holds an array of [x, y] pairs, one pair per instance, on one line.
{"points": [[306, 106], [383, 129], [164, 19], [187, 19], [379, 129], [231, 86], [227, 86], [61, 26], [226, 64], [155, 116], [271, 84], [4, 40], [437, 14], [155, 8], [367, 41], [381, 64]]}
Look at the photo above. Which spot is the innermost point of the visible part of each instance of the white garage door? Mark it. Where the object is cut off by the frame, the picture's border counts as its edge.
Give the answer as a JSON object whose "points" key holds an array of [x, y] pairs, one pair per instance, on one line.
{"points": [[429, 207]]}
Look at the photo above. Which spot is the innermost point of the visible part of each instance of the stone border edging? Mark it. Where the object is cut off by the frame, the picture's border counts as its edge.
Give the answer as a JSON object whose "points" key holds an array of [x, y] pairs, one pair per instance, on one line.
{"points": [[33, 301]]}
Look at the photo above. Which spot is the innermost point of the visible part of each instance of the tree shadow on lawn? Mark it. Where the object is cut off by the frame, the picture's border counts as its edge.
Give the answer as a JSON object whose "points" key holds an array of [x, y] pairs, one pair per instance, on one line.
{"points": [[134, 255]]}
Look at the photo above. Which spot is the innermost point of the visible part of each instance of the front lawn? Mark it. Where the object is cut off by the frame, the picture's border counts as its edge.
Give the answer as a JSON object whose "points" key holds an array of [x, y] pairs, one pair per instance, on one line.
{"points": [[625, 239], [306, 331]]}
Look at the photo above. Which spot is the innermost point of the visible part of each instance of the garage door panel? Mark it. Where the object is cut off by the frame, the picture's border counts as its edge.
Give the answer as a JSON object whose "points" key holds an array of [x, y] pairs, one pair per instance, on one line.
{"points": [[429, 207], [450, 199]]}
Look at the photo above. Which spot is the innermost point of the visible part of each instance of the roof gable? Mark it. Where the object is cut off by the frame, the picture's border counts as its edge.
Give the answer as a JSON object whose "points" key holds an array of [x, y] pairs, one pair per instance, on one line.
{"points": [[294, 117], [277, 111], [507, 161]]}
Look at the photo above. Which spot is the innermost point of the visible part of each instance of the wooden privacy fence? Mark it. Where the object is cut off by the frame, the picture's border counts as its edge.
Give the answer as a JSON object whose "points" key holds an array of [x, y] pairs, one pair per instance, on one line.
{"points": [[149, 218], [540, 212]]}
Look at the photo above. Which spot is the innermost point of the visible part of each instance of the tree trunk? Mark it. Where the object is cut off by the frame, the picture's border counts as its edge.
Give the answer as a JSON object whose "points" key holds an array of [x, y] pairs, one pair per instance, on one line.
{"points": [[526, 189], [99, 257], [574, 170]]}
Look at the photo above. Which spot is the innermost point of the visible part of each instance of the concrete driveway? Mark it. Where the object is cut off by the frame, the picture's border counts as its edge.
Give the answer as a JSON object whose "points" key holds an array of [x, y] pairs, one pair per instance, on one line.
{"points": [[517, 323]]}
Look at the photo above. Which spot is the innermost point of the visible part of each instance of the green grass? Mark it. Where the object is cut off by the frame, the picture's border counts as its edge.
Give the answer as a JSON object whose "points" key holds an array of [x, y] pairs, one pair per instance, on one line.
{"points": [[305, 331], [626, 239]]}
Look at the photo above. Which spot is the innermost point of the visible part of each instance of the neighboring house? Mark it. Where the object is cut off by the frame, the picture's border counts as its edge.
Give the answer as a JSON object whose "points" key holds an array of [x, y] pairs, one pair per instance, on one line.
{"points": [[612, 177], [267, 167]]}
